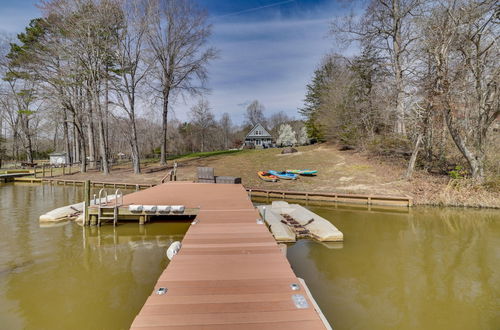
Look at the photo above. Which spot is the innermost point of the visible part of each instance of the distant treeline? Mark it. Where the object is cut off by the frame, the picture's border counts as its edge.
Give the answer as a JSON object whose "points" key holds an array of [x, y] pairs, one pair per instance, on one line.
{"points": [[98, 78]]}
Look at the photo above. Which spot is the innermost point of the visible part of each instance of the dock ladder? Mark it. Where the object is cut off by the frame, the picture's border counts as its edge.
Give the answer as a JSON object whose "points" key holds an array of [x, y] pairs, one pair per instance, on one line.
{"points": [[102, 213]]}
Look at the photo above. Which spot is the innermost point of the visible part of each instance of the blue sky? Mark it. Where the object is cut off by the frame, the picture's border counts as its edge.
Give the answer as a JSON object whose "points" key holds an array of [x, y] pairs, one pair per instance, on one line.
{"points": [[268, 50]]}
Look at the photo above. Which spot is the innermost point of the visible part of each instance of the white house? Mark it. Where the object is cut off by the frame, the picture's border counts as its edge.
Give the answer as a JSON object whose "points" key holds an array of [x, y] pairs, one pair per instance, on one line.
{"points": [[258, 137], [57, 158]]}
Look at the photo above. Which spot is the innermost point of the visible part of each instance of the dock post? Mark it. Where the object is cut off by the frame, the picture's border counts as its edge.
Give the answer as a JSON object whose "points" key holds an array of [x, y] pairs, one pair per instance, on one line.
{"points": [[43, 171], [87, 202], [51, 171]]}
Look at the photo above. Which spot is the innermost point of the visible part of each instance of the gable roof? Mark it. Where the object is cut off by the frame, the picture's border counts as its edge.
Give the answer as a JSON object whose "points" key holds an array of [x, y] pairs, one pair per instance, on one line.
{"points": [[259, 127]]}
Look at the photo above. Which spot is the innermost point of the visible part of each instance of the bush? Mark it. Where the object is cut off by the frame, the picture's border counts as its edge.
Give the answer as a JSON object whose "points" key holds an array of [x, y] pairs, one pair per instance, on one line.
{"points": [[458, 173], [390, 145]]}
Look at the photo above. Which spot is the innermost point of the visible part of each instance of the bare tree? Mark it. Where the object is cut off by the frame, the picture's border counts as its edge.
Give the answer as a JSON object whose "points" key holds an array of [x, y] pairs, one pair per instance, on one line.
{"points": [[177, 36], [226, 126], [278, 118], [203, 119], [132, 69], [462, 37], [255, 114], [386, 24]]}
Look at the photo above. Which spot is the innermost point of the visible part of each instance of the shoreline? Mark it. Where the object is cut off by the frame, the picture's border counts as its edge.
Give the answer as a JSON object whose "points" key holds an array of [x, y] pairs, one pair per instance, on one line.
{"points": [[297, 195], [340, 172]]}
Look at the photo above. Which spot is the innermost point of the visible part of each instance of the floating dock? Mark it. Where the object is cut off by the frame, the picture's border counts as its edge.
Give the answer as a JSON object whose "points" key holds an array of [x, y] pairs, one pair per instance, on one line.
{"points": [[289, 222], [229, 273], [8, 177]]}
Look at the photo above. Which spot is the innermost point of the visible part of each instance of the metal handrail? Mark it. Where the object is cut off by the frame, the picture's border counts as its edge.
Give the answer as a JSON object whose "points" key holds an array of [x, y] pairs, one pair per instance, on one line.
{"points": [[118, 194], [100, 196]]}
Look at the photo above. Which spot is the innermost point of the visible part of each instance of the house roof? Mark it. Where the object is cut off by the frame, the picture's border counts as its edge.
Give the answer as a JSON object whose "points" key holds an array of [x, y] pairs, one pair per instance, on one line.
{"points": [[258, 126], [57, 154]]}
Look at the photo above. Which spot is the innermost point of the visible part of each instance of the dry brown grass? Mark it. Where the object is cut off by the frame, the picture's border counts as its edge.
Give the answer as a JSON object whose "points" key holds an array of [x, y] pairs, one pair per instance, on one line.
{"points": [[430, 190]]}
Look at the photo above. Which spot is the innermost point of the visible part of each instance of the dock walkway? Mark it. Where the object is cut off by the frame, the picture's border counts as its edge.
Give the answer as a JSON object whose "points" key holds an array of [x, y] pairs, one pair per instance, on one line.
{"points": [[229, 273]]}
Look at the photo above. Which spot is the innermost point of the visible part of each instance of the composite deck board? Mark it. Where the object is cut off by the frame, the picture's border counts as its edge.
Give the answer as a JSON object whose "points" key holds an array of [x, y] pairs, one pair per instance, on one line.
{"points": [[230, 272], [201, 297]]}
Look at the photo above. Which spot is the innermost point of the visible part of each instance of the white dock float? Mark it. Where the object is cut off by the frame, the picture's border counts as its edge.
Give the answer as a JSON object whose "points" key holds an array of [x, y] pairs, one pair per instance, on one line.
{"points": [[319, 228], [68, 212]]}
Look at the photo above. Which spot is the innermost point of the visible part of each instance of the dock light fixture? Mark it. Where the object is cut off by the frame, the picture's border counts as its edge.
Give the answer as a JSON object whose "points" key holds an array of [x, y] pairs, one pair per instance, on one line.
{"points": [[295, 286], [161, 291], [260, 221], [300, 301]]}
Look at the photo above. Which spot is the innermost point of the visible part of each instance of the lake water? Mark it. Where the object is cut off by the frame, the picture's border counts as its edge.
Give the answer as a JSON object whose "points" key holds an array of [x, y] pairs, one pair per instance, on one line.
{"points": [[429, 268]]}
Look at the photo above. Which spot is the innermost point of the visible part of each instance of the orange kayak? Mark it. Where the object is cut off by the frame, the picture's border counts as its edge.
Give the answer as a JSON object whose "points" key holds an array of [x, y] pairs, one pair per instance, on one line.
{"points": [[266, 176]]}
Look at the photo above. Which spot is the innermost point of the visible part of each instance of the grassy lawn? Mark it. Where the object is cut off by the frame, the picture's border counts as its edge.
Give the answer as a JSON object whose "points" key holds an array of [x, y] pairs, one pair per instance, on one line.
{"points": [[205, 154], [336, 171]]}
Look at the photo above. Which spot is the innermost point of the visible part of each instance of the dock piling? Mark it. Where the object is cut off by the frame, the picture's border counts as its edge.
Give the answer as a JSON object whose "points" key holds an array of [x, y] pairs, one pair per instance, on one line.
{"points": [[87, 202]]}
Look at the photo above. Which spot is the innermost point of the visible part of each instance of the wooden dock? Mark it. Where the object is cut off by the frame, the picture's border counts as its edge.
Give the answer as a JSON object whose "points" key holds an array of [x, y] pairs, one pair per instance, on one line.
{"points": [[8, 177], [229, 273]]}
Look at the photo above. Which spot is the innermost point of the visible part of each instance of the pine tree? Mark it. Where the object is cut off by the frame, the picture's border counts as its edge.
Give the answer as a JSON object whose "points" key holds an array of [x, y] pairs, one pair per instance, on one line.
{"points": [[313, 100]]}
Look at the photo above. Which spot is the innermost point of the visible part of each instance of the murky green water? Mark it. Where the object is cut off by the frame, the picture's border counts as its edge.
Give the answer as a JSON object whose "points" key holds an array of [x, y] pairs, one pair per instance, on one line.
{"points": [[68, 278], [426, 269]]}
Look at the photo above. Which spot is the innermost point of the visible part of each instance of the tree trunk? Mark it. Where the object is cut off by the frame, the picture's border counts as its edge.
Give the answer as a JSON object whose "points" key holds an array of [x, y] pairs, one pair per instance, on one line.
{"points": [[67, 143], [76, 143], [475, 161], [413, 158], [396, 39], [90, 136], [106, 113], [102, 147], [135, 150], [83, 154], [28, 146], [163, 156]]}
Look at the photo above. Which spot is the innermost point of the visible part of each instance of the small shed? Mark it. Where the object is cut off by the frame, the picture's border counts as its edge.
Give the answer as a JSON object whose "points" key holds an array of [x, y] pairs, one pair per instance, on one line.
{"points": [[58, 158]]}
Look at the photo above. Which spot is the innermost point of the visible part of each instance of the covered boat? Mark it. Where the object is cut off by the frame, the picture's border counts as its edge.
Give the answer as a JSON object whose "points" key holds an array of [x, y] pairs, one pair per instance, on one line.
{"points": [[284, 175]]}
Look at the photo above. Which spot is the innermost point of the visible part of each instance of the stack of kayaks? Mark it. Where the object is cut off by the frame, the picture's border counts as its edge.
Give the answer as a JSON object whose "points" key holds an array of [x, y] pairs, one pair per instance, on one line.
{"points": [[266, 176], [303, 172], [283, 175]]}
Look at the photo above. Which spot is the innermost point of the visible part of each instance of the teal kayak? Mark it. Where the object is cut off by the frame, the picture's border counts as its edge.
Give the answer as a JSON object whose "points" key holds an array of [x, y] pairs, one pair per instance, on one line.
{"points": [[283, 175], [303, 172]]}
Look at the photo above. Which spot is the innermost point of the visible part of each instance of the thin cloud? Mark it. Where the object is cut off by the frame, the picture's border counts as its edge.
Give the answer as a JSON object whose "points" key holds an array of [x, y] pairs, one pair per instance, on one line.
{"points": [[254, 9]]}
